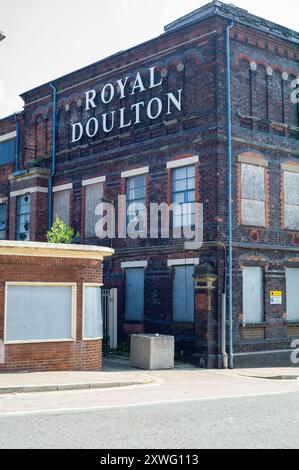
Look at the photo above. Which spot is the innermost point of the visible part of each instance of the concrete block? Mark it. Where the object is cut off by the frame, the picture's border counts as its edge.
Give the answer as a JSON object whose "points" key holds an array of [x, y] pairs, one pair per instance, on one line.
{"points": [[152, 352]]}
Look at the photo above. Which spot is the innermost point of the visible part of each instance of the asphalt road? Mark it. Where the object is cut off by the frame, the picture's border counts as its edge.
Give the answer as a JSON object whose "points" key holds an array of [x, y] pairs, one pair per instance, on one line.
{"points": [[259, 422]]}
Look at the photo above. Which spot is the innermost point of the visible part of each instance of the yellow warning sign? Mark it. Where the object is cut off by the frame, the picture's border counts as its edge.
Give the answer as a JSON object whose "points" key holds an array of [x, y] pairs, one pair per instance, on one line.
{"points": [[276, 297], [276, 293]]}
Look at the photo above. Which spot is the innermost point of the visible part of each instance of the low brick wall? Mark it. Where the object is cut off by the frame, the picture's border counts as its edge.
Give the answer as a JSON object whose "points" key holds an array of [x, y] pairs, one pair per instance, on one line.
{"points": [[39, 357], [24, 266]]}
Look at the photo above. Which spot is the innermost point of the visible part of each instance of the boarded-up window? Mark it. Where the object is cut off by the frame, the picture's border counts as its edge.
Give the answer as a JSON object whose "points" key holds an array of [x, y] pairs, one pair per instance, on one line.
{"points": [[292, 281], [93, 317], [39, 313], [61, 205], [253, 295], [93, 196], [3, 221], [291, 200], [134, 294], [253, 195], [183, 294]]}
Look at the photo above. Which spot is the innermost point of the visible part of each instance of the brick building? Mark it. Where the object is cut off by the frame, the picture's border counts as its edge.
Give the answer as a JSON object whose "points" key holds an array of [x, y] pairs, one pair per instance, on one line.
{"points": [[152, 123]]}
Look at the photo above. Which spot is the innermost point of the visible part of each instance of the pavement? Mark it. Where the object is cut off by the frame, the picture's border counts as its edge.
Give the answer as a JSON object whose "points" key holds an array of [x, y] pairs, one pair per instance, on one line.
{"points": [[62, 381], [118, 373], [180, 408]]}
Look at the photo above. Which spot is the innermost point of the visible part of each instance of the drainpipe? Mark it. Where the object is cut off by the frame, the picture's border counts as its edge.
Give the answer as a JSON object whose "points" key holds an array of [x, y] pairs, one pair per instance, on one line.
{"points": [[230, 207], [53, 168], [223, 300], [17, 146]]}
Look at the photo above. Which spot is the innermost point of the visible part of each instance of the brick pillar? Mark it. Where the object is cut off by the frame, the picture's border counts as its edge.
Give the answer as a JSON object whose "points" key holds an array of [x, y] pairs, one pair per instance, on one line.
{"points": [[38, 216], [206, 327]]}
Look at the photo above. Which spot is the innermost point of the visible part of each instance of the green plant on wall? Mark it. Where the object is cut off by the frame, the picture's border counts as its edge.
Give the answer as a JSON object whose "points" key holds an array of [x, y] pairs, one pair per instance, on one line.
{"points": [[37, 163], [61, 233]]}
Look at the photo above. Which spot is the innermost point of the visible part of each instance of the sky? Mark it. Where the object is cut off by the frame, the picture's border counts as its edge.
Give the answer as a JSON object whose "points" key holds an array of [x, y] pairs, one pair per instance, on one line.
{"points": [[46, 39]]}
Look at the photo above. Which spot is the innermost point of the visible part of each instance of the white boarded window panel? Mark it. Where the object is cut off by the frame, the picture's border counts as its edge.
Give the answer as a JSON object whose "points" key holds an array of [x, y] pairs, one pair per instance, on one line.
{"points": [[93, 196], [253, 195], [292, 281], [38, 313], [93, 317], [291, 199], [62, 205], [134, 294], [183, 294], [253, 295]]}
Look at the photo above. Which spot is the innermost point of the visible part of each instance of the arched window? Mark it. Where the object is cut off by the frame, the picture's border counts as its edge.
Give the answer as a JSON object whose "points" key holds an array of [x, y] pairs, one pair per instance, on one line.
{"points": [[62, 133], [276, 97], [40, 137], [49, 131], [261, 105], [244, 88], [291, 109]]}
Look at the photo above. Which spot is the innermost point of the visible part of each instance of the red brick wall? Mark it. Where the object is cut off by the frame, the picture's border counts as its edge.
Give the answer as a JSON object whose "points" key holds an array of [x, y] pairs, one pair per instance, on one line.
{"points": [[74, 355]]}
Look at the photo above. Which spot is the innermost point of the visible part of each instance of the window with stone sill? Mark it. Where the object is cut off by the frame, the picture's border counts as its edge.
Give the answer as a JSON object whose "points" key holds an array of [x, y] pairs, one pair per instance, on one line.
{"points": [[292, 285], [183, 294], [291, 200], [93, 196], [136, 201], [183, 196], [253, 195], [7, 151], [23, 218], [253, 294], [61, 205], [134, 288]]}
